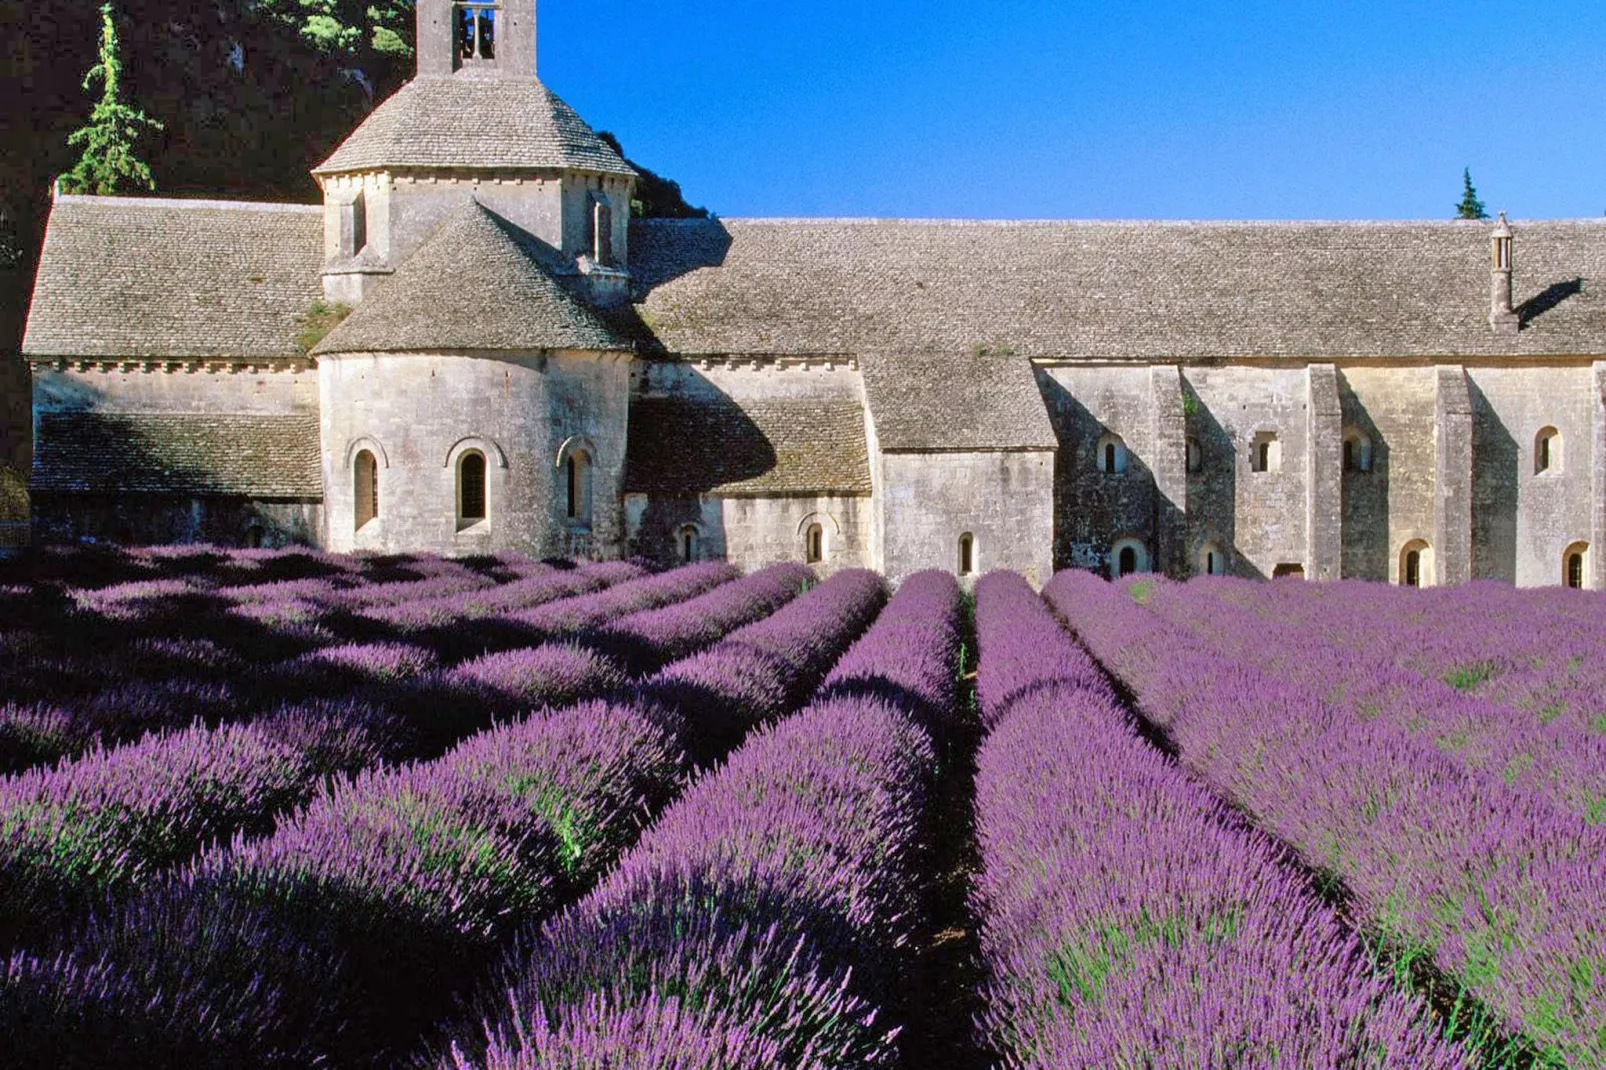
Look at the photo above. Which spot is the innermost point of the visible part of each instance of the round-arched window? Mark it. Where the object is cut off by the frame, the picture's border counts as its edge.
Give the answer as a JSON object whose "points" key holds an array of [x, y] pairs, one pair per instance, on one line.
{"points": [[686, 543], [1575, 566], [365, 489], [471, 496], [1416, 564], [577, 488], [1128, 556], [1547, 451], [1195, 456], [814, 543], [1212, 560], [1357, 451], [1112, 455], [967, 554]]}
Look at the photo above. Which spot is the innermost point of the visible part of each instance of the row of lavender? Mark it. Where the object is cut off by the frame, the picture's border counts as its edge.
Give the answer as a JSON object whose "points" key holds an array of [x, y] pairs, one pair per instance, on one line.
{"points": [[1504, 682], [108, 821], [92, 688], [337, 938], [1129, 918], [765, 920], [1498, 890]]}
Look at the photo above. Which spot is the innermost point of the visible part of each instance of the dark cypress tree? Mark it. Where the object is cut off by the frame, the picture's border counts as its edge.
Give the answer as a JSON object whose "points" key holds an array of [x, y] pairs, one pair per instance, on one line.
{"points": [[1470, 207], [108, 164]]}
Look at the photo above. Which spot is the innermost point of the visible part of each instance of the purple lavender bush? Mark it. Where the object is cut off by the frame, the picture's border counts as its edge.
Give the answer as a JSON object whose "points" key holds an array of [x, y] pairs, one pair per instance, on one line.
{"points": [[776, 899], [1501, 894], [768, 668], [106, 822], [651, 638], [1128, 917]]}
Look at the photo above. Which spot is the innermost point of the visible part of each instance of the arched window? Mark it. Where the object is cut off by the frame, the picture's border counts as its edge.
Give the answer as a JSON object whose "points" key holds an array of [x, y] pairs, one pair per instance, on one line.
{"points": [[1195, 456], [1266, 453], [470, 489], [1212, 560], [1547, 451], [577, 487], [1357, 451], [814, 544], [1574, 562], [365, 488], [1128, 556], [967, 554], [1416, 564], [1112, 456], [686, 542]]}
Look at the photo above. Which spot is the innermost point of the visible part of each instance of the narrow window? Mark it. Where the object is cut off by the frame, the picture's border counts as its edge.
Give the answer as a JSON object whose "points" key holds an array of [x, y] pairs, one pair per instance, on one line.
{"points": [[1266, 455], [688, 543], [1112, 455], [967, 555], [1572, 565], [602, 237], [1413, 568], [365, 487], [1349, 455], [1195, 456], [1210, 563], [577, 479], [1212, 560], [814, 544], [1416, 564], [1547, 451], [1129, 561], [471, 489]]}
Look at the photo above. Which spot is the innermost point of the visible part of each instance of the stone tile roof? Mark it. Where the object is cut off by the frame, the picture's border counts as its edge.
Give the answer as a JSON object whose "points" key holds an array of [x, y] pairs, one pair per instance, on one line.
{"points": [[141, 277], [478, 284], [482, 123], [221, 455], [682, 446], [1116, 291], [963, 402]]}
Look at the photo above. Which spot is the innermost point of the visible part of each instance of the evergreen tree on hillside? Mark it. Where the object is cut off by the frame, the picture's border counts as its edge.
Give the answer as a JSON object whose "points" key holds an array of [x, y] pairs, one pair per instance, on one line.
{"points": [[1470, 207], [108, 163]]}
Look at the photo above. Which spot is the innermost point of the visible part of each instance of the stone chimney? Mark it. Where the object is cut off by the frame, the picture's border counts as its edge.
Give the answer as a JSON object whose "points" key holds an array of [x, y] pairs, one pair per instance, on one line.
{"points": [[1502, 317]]}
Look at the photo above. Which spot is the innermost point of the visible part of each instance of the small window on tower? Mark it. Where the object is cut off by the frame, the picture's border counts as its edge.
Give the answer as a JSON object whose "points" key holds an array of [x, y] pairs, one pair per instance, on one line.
{"points": [[602, 232], [476, 32]]}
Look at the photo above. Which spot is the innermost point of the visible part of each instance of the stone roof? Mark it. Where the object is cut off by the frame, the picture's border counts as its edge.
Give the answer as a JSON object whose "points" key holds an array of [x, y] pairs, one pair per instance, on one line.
{"points": [[477, 283], [1113, 291], [481, 123], [227, 455], [141, 277], [683, 446], [962, 402]]}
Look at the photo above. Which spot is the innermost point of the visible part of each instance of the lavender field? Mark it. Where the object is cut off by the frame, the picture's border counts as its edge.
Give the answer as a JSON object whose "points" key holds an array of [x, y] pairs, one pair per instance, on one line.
{"points": [[275, 809]]}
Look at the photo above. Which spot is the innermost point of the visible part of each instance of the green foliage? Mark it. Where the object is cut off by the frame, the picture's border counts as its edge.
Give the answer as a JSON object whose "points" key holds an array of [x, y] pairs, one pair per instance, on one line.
{"points": [[1470, 207], [317, 322], [1190, 404], [108, 164], [1141, 591], [1470, 677], [979, 350], [355, 29], [13, 495], [656, 197]]}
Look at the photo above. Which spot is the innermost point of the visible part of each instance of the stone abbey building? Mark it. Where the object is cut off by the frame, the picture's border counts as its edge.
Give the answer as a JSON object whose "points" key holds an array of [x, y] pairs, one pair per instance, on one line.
{"points": [[524, 367]]}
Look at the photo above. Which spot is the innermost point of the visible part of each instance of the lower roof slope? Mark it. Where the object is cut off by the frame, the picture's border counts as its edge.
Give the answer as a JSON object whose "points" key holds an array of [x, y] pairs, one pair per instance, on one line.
{"points": [[965, 403], [683, 446], [211, 455], [1113, 291], [476, 284], [141, 277]]}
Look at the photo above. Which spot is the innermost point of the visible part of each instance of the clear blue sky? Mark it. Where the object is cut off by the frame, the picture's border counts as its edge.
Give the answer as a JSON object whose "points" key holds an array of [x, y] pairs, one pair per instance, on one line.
{"points": [[1017, 109]]}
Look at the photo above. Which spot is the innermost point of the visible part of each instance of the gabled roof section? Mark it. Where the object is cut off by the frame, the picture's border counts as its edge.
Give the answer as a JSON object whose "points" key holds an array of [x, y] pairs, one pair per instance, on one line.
{"points": [[681, 446], [479, 123], [1136, 291], [959, 403], [127, 277], [205, 455], [476, 284]]}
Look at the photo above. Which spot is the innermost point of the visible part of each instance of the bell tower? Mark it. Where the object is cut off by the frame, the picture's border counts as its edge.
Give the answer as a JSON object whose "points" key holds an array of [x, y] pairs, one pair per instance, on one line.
{"points": [[489, 38]]}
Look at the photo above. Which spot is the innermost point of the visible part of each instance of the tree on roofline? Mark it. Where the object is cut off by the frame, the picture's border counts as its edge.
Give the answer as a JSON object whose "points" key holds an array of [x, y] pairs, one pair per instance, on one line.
{"points": [[108, 164], [1470, 207]]}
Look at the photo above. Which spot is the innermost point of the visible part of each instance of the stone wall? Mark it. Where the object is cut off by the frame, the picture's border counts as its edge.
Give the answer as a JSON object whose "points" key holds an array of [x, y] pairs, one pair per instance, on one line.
{"points": [[1393, 503], [1005, 501], [1259, 518], [160, 520], [419, 413], [751, 532], [1522, 521]]}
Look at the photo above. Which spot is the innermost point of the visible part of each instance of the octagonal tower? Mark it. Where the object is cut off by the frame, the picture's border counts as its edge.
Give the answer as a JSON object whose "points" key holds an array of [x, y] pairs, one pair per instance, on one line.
{"points": [[475, 123]]}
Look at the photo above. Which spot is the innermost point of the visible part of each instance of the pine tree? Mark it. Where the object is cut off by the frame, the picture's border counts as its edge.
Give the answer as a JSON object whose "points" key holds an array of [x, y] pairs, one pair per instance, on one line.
{"points": [[108, 164], [1470, 207]]}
